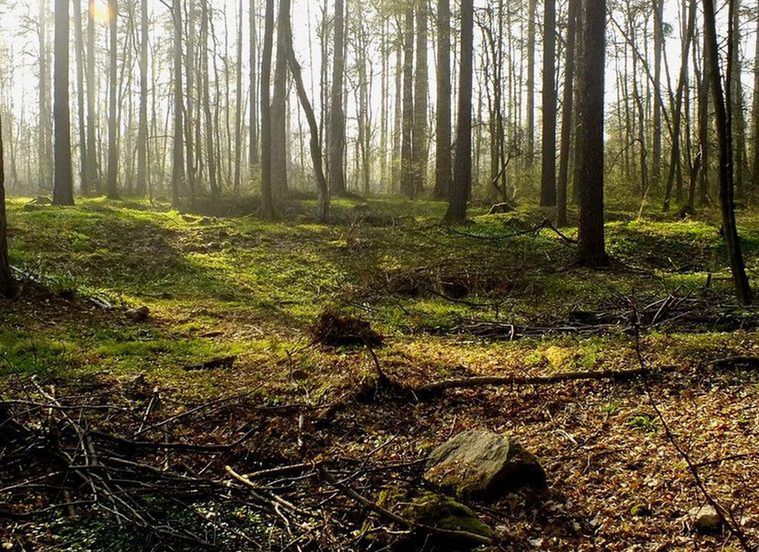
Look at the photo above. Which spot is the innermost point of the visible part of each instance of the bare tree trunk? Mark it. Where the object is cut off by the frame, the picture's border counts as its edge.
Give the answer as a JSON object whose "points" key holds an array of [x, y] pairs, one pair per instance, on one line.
{"points": [[142, 130], [421, 92], [548, 174], [266, 146], [8, 288], [178, 168], [337, 114], [43, 148], [443, 169], [316, 153], [677, 117], [253, 143], [568, 111], [113, 152], [206, 101], [63, 192], [462, 177], [590, 146], [724, 134], [79, 49], [657, 117], [407, 155], [92, 179], [279, 107], [238, 101], [531, 46]]}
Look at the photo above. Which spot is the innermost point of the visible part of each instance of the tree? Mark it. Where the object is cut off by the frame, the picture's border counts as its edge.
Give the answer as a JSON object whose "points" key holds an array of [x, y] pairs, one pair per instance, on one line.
{"points": [[63, 191], [316, 153], [253, 141], [567, 111], [548, 173], [337, 113], [178, 167], [142, 131], [91, 177], [407, 155], [443, 114], [421, 91], [80, 95], [8, 287], [725, 139], [657, 116], [532, 13], [590, 143], [113, 152], [266, 184], [279, 107], [462, 176]]}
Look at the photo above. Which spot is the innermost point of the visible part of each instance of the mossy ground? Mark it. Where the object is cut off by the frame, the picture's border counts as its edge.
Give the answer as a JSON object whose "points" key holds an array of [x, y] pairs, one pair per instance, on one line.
{"points": [[251, 288]]}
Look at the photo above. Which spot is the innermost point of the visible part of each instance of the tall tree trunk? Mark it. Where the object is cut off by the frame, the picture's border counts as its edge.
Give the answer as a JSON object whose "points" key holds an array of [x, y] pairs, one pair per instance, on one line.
{"points": [[43, 149], [337, 113], [316, 153], [740, 166], [443, 169], [238, 102], [755, 108], [590, 143], [548, 175], [407, 155], [567, 118], [266, 146], [142, 130], [113, 151], [724, 135], [253, 155], [421, 92], [657, 116], [532, 14], [8, 288], [178, 166], [279, 107], [462, 177], [80, 96], [92, 178], [206, 101], [63, 192], [678, 108]]}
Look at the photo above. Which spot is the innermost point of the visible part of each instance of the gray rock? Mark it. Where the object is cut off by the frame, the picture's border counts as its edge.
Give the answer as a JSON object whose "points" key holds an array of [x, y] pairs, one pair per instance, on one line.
{"points": [[443, 512], [483, 464], [705, 519]]}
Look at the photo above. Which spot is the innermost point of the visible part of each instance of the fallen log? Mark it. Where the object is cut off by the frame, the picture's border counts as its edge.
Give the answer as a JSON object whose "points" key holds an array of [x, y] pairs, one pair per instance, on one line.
{"points": [[564, 377]]}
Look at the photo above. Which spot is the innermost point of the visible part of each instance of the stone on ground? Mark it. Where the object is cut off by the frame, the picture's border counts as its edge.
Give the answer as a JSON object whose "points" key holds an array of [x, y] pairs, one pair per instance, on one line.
{"points": [[705, 519], [483, 464], [443, 512]]}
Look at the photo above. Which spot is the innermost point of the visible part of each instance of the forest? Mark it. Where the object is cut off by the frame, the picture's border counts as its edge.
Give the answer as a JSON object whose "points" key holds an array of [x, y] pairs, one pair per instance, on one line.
{"points": [[381, 275]]}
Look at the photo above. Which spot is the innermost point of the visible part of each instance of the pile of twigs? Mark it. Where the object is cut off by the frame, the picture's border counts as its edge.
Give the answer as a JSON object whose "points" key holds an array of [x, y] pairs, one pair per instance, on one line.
{"points": [[122, 461]]}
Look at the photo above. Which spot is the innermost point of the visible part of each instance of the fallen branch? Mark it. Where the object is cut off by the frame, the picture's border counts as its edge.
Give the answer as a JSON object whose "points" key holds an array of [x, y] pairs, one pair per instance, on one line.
{"points": [[500, 381]]}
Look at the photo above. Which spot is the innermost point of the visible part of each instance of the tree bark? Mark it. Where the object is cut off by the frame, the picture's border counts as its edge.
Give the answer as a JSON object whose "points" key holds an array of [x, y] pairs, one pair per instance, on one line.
{"points": [[63, 192], [567, 112], [548, 173], [8, 287], [443, 174], [532, 14], [421, 92], [590, 147], [266, 146], [113, 152], [462, 178], [407, 156], [178, 167], [337, 114], [142, 130], [725, 139]]}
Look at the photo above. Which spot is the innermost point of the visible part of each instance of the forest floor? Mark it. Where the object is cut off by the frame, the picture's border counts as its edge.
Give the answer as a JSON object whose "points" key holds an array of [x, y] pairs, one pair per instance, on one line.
{"points": [[232, 306]]}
